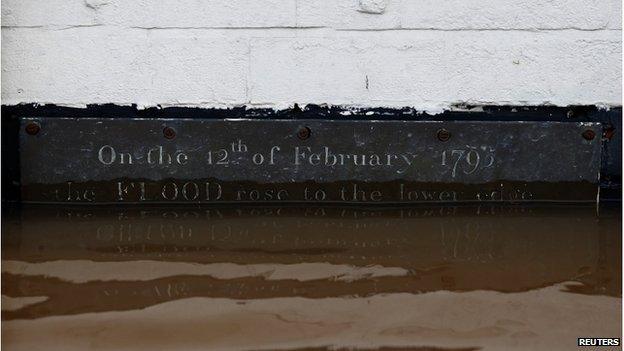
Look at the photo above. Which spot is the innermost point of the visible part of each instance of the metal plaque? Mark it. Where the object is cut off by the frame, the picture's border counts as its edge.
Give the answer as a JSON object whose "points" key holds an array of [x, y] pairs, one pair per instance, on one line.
{"points": [[108, 160]]}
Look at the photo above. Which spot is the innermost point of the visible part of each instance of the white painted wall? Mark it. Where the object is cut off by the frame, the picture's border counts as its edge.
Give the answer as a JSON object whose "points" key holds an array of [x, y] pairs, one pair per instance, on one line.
{"points": [[427, 54]]}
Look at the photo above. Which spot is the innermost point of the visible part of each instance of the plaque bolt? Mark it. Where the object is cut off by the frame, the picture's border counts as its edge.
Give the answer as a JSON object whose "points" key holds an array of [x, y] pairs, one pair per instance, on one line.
{"points": [[33, 128], [589, 134], [169, 133], [609, 132], [304, 133], [444, 135]]}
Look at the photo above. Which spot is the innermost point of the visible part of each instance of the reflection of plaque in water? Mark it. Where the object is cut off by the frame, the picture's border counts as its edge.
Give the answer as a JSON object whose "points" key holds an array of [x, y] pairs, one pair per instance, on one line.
{"points": [[102, 160], [485, 241], [131, 258]]}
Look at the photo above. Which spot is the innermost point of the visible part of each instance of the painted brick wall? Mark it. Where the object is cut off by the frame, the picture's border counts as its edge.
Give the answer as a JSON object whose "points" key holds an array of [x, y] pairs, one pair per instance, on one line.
{"points": [[428, 54]]}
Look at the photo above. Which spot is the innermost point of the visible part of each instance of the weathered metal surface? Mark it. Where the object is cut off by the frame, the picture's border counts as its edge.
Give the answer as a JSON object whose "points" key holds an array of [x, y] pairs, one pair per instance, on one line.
{"points": [[102, 160]]}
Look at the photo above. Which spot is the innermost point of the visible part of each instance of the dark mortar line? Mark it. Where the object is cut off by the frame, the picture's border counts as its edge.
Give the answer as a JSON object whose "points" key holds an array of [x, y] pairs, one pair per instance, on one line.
{"points": [[581, 113]]}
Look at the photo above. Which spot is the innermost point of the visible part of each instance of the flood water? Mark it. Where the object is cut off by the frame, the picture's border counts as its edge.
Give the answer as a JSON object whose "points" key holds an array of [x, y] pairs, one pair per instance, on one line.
{"points": [[310, 278]]}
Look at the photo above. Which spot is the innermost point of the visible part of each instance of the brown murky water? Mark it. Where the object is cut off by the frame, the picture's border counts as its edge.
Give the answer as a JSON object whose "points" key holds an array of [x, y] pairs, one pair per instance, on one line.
{"points": [[317, 278]]}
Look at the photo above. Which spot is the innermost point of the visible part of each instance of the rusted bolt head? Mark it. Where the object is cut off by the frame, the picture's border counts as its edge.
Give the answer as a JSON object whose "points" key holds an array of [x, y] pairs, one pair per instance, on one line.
{"points": [[589, 134], [304, 133], [33, 128], [609, 132], [444, 135], [169, 133]]}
